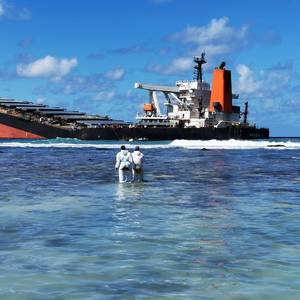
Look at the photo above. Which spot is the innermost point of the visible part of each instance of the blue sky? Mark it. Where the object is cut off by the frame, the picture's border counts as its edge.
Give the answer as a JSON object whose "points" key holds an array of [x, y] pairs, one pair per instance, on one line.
{"points": [[87, 55]]}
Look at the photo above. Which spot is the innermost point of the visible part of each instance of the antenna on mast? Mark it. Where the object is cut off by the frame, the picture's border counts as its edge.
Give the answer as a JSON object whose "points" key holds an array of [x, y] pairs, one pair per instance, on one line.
{"points": [[199, 61]]}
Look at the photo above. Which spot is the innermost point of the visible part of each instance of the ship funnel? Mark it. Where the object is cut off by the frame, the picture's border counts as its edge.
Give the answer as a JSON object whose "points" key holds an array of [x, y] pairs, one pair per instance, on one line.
{"points": [[221, 92]]}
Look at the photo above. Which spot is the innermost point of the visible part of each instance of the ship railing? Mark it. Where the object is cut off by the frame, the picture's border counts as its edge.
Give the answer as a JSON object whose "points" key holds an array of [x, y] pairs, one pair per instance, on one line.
{"points": [[144, 116]]}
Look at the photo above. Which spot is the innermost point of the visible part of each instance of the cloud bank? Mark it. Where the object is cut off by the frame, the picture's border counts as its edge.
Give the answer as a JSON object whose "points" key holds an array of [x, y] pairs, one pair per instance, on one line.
{"points": [[270, 83], [217, 38]]}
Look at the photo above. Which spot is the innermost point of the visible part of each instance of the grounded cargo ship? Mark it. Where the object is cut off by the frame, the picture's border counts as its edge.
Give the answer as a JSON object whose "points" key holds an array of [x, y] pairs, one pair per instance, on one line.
{"points": [[193, 111]]}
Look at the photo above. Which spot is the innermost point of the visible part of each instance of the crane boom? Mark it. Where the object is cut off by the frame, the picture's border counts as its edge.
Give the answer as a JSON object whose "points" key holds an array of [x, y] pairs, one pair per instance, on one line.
{"points": [[157, 88]]}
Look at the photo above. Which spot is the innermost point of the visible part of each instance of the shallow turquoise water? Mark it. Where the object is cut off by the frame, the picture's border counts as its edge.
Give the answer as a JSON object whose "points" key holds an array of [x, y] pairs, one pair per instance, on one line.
{"points": [[216, 224]]}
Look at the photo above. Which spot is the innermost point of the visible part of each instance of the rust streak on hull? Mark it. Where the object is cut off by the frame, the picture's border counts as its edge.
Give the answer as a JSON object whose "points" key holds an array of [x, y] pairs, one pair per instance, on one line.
{"points": [[7, 132]]}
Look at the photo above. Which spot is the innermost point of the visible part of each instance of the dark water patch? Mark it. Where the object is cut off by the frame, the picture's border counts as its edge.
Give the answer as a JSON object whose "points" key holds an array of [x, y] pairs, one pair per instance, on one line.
{"points": [[57, 242]]}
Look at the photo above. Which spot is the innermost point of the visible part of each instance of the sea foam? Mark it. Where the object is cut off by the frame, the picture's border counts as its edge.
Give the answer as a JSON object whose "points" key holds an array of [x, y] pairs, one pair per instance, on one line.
{"points": [[188, 144]]}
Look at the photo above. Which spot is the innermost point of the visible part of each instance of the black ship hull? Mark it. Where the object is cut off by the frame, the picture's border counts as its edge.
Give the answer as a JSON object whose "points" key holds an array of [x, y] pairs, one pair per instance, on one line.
{"points": [[22, 128], [168, 133]]}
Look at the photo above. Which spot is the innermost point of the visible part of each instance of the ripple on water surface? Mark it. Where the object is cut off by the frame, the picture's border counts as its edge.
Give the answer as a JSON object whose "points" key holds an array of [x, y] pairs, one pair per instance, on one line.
{"points": [[217, 224]]}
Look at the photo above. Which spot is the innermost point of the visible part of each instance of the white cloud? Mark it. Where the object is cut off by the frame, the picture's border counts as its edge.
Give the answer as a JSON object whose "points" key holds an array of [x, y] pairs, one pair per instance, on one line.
{"points": [[217, 39], [11, 12], [271, 93], [116, 74], [272, 83], [213, 51], [2, 11], [217, 31], [246, 82], [178, 65], [48, 66], [104, 95]]}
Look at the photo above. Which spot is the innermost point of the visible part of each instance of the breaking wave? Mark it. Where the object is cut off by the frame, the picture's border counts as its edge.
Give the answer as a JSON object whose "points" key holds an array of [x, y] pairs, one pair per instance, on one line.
{"points": [[188, 144], [236, 144]]}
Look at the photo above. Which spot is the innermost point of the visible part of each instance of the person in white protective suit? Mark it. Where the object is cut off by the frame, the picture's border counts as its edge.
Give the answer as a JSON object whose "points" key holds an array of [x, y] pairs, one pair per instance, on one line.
{"points": [[137, 166], [123, 164]]}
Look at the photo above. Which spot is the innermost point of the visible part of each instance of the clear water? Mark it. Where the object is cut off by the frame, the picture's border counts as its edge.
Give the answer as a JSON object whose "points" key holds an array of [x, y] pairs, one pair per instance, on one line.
{"points": [[217, 224]]}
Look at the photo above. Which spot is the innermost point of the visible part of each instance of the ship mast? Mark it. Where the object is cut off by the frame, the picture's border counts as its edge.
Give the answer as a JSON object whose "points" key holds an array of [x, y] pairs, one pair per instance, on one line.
{"points": [[199, 61], [246, 112]]}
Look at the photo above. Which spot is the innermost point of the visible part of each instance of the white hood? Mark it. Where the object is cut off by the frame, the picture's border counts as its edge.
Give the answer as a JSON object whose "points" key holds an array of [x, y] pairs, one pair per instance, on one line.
{"points": [[124, 152], [137, 157]]}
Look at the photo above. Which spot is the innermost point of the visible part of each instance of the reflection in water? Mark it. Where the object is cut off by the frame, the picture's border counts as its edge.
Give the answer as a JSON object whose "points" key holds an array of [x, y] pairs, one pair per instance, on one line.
{"points": [[129, 191]]}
